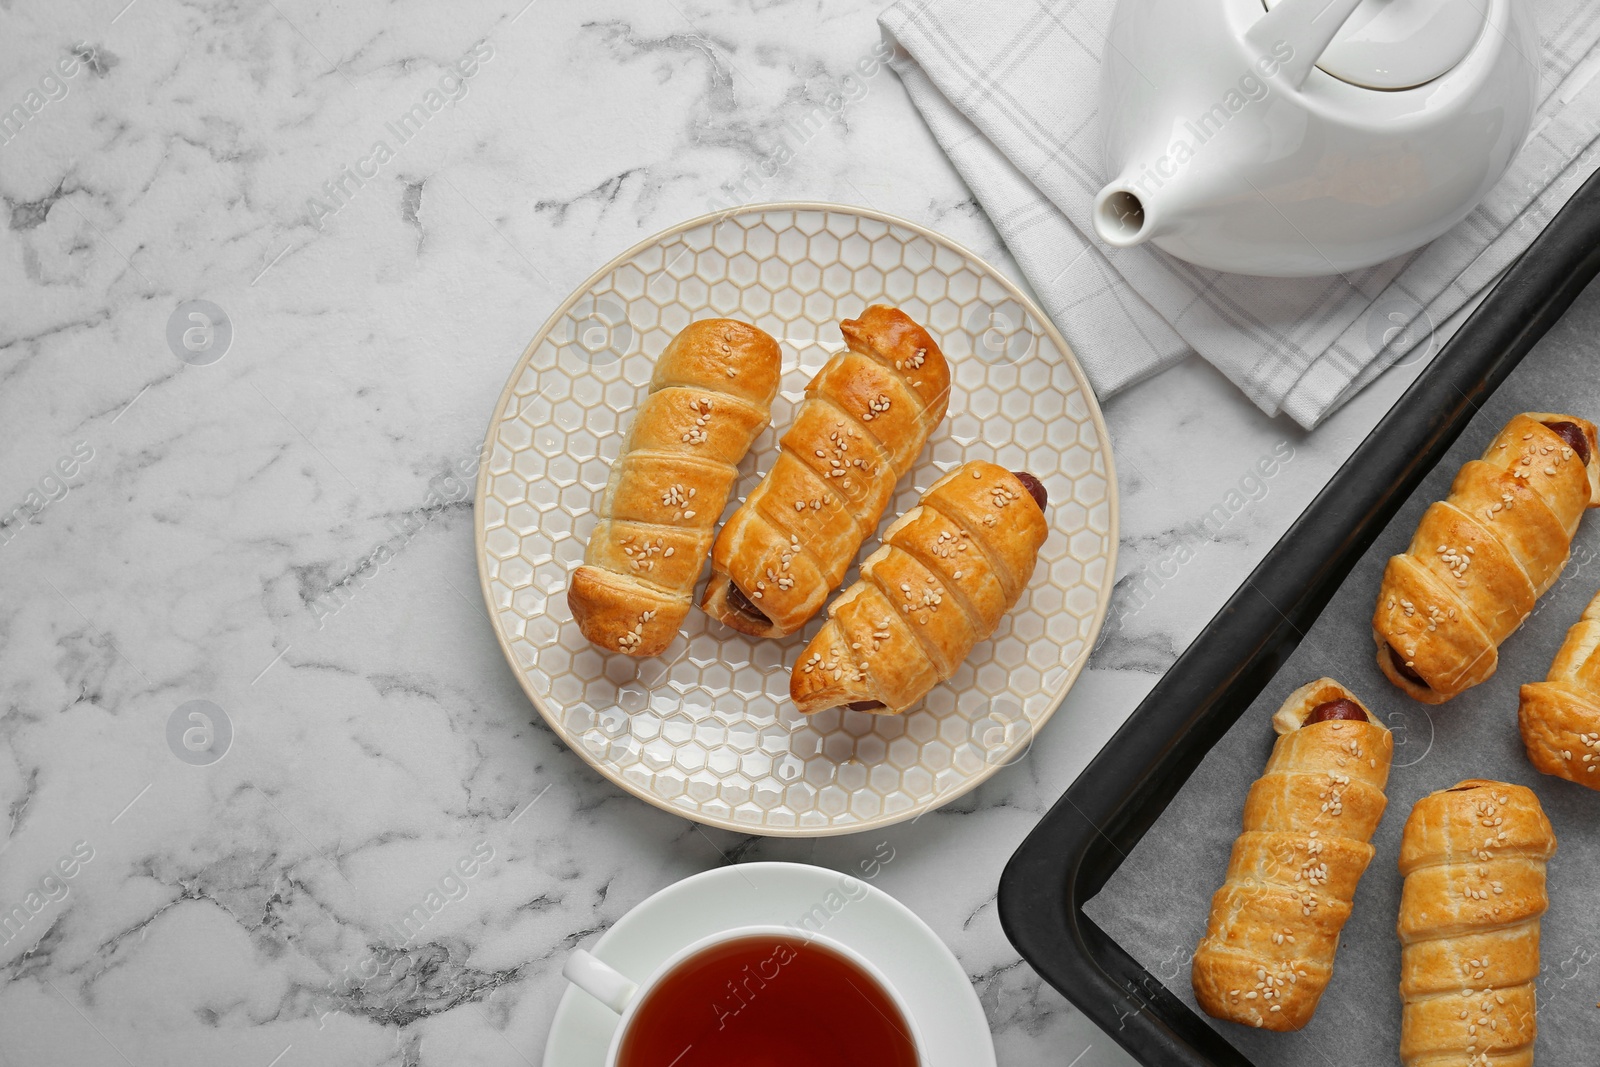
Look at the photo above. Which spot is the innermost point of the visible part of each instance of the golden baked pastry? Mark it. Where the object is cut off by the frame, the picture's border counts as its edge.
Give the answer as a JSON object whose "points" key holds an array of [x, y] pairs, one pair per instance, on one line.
{"points": [[709, 398], [948, 571], [865, 418], [1269, 946], [1473, 857], [1482, 557], [1560, 717]]}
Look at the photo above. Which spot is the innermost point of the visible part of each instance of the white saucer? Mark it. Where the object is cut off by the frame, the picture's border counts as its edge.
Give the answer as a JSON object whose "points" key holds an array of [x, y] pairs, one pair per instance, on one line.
{"points": [[928, 977]]}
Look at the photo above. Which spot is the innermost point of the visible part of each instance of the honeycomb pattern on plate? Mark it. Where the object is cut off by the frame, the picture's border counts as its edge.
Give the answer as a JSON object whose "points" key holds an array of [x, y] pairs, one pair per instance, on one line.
{"points": [[707, 729]]}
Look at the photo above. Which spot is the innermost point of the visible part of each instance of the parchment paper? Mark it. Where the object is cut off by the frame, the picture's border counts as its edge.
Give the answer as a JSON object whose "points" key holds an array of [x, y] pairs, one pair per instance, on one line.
{"points": [[1156, 904]]}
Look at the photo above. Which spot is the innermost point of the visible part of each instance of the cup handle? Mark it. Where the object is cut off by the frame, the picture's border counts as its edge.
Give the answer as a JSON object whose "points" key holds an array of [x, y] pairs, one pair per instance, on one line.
{"points": [[599, 981]]}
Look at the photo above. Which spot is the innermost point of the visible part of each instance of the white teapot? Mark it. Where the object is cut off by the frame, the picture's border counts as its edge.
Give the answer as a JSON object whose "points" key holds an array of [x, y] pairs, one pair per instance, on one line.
{"points": [[1317, 137]]}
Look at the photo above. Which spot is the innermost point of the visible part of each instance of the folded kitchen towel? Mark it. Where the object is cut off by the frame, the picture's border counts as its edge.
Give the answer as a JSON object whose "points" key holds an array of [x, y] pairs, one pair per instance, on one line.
{"points": [[1011, 92]]}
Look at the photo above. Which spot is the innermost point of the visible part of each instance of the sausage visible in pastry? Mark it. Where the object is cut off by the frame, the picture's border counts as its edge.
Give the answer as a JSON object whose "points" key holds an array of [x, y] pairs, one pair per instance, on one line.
{"points": [[1268, 952], [864, 420], [1483, 556], [948, 571]]}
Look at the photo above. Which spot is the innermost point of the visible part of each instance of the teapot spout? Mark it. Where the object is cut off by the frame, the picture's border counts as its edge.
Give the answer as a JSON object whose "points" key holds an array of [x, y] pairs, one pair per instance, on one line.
{"points": [[1123, 217]]}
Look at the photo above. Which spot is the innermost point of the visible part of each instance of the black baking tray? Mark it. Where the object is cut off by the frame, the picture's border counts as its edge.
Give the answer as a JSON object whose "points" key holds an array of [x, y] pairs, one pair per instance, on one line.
{"points": [[1075, 848]]}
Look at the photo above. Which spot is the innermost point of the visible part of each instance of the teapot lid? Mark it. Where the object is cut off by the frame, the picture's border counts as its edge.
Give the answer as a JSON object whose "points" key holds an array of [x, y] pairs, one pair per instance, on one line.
{"points": [[1400, 44]]}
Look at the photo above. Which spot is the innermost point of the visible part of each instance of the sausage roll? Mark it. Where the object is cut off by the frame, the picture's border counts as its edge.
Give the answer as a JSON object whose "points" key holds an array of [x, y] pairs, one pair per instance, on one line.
{"points": [[1482, 557], [864, 419], [709, 397], [1473, 857], [1560, 716], [949, 569], [1268, 950]]}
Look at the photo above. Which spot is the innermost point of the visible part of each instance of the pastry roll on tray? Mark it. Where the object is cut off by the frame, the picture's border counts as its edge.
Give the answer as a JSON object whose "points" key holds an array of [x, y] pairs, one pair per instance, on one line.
{"points": [[865, 418], [1560, 716], [1473, 858], [710, 396], [948, 571], [1268, 951], [1482, 557]]}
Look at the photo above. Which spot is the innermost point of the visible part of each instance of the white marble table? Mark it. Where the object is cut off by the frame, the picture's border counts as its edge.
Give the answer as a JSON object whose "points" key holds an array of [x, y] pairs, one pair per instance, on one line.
{"points": [[208, 511]]}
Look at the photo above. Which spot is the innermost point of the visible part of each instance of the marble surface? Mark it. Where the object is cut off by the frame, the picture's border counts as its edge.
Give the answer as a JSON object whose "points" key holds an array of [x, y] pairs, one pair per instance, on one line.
{"points": [[280, 526]]}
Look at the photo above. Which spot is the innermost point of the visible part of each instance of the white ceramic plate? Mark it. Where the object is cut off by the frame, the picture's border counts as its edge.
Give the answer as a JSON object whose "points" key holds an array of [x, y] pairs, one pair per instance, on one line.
{"points": [[929, 978], [707, 730]]}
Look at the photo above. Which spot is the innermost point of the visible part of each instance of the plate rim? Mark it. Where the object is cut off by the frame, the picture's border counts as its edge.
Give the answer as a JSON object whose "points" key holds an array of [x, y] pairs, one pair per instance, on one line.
{"points": [[940, 798]]}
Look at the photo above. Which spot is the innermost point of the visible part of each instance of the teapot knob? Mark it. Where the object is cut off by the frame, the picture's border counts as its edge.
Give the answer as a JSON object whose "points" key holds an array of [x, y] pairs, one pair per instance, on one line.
{"points": [[1401, 44], [1307, 27]]}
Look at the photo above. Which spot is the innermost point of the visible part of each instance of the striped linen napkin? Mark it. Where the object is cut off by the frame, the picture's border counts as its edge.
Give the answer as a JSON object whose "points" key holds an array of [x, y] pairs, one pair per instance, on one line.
{"points": [[1010, 91]]}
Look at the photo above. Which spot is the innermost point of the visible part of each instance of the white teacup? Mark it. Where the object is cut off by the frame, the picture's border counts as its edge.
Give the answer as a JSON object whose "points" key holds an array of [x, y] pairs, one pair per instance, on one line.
{"points": [[624, 996]]}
